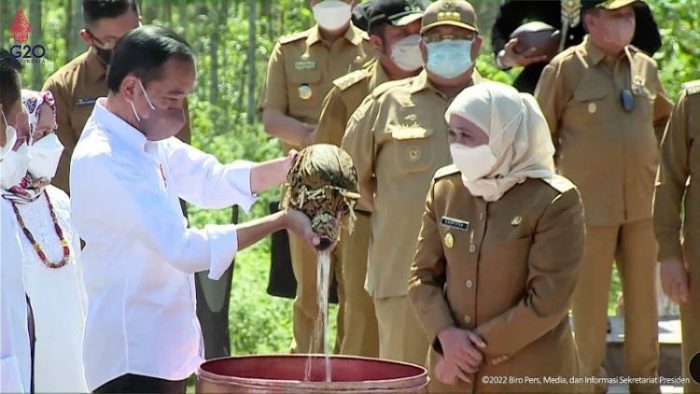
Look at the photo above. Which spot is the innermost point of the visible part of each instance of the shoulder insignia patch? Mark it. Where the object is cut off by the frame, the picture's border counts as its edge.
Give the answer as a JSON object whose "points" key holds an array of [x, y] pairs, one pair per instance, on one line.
{"points": [[350, 79], [560, 184], [692, 87], [446, 171], [294, 37]]}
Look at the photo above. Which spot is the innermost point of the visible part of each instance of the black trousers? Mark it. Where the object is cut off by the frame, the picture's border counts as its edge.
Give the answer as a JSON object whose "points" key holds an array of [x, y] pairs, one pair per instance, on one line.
{"points": [[131, 383]]}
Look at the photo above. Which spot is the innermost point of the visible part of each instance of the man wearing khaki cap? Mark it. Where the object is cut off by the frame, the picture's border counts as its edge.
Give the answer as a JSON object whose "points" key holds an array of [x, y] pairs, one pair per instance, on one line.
{"points": [[398, 139], [394, 27], [606, 109]]}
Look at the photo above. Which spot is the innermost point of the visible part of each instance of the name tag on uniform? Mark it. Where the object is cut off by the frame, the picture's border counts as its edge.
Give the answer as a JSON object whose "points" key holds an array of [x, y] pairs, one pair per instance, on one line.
{"points": [[454, 223], [305, 65], [86, 101]]}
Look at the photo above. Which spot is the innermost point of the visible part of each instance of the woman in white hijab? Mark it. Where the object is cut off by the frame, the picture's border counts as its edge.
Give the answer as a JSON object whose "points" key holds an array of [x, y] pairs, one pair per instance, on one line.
{"points": [[498, 253], [52, 276]]}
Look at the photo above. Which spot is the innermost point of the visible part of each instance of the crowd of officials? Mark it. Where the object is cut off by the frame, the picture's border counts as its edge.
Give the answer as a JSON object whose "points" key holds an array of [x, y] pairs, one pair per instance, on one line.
{"points": [[485, 237]]}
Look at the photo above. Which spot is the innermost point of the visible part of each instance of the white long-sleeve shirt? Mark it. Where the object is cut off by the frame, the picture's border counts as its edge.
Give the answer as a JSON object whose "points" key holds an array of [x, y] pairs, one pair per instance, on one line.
{"points": [[15, 355], [140, 257]]}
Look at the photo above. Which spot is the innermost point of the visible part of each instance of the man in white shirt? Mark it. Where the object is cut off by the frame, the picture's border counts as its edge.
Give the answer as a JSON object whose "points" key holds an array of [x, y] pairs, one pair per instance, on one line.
{"points": [[127, 173]]}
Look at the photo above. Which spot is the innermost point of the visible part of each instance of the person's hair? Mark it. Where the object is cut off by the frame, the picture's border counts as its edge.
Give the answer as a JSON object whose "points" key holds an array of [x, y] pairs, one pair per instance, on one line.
{"points": [[94, 10], [143, 51], [377, 28], [10, 90]]}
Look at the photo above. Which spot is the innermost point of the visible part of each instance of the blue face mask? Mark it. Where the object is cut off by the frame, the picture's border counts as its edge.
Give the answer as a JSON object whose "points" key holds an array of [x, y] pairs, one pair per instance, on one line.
{"points": [[449, 58]]}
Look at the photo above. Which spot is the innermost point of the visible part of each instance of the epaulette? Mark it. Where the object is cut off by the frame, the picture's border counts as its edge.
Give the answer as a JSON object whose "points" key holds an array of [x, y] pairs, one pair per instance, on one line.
{"points": [[294, 37], [691, 87], [559, 183], [352, 78], [445, 171], [386, 86]]}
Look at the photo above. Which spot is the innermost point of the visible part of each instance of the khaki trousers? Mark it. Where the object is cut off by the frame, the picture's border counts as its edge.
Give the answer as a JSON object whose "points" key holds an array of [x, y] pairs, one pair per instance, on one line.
{"points": [[401, 336], [361, 336], [306, 308], [633, 247]]}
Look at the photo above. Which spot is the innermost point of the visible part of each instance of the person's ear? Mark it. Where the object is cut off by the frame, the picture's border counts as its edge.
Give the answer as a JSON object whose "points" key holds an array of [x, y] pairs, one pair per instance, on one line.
{"points": [[476, 47], [85, 36], [377, 43], [129, 87]]}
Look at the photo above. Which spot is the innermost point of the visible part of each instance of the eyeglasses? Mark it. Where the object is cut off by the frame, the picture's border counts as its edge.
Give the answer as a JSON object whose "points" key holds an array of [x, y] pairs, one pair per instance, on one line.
{"points": [[627, 100], [103, 44], [437, 37]]}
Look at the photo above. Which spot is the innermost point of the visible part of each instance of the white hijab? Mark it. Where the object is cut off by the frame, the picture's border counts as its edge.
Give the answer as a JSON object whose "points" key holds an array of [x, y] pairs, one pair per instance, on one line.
{"points": [[519, 137]]}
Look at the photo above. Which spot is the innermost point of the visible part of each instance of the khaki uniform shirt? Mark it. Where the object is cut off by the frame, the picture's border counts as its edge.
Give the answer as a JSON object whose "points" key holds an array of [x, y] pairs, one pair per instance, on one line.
{"points": [[341, 102], [678, 180], [302, 68], [610, 154], [397, 139], [75, 87], [506, 270]]}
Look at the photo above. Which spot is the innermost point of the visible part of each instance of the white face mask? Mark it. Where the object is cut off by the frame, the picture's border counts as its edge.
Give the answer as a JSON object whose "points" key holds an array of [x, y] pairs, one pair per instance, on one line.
{"points": [[474, 162], [450, 58], [332, 14], [406, 53], [14, 166], [45, 155]]}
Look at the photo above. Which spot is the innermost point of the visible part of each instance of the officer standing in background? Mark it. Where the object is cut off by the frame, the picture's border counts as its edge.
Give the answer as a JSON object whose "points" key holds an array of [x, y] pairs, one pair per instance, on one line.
{"points": [[679, 240], [398, 139], [606, 109], [300, 73], [564, 15], [394, 27]]}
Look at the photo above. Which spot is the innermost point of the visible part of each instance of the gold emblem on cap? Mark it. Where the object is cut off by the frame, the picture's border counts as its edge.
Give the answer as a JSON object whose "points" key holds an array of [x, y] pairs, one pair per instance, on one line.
{"points": [[449, 241], [305, 92], [449, 12], [516, 220], [592, 108]]}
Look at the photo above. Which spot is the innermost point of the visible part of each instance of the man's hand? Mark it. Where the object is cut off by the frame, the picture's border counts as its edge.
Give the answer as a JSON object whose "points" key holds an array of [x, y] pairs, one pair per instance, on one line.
{"points": [[507, 57], [300, 224], [460, 348], [674, 280]]}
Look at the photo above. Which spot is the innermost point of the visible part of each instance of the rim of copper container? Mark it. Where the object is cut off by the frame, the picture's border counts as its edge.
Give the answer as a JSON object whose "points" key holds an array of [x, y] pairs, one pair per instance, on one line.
{"points": [[418, 380]]}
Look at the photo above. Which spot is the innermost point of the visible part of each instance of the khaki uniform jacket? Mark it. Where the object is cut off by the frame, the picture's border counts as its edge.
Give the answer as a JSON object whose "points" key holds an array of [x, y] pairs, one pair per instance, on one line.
{"points": [[302, 68], [341, 102], [610, 154], [75, 87], [678, 179], [504, 269], [397, 139]]}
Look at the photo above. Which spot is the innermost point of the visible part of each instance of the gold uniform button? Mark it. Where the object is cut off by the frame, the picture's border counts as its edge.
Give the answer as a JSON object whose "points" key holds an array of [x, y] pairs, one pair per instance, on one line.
{"points": [[449, 240], [469, 284], [468, 319], [472, 248], [592, 108], [305, 92], [413, 153], [516, 220]]}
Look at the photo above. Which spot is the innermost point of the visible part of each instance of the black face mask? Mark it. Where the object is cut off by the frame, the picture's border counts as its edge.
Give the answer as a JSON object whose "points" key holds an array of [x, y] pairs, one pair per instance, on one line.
{"points": [[103, 54]]}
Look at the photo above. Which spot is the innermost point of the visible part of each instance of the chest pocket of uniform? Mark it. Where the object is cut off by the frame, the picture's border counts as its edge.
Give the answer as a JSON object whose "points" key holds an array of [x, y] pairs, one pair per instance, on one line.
{"points": [[413, 149]]}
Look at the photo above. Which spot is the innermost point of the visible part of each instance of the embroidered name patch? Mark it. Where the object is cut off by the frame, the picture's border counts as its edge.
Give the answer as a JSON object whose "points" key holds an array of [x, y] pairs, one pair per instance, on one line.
{"points": [[454, 223]]}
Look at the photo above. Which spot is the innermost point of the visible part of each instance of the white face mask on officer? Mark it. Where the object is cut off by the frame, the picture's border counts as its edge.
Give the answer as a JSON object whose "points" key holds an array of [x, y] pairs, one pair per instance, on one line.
{"points": [[332, 14], [474, 162], [405, 53], [45, 154], [13, 163]]}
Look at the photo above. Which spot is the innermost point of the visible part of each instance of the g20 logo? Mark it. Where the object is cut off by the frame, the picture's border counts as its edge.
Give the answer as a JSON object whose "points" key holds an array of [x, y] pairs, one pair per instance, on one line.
{"points": [[37, 51]]}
